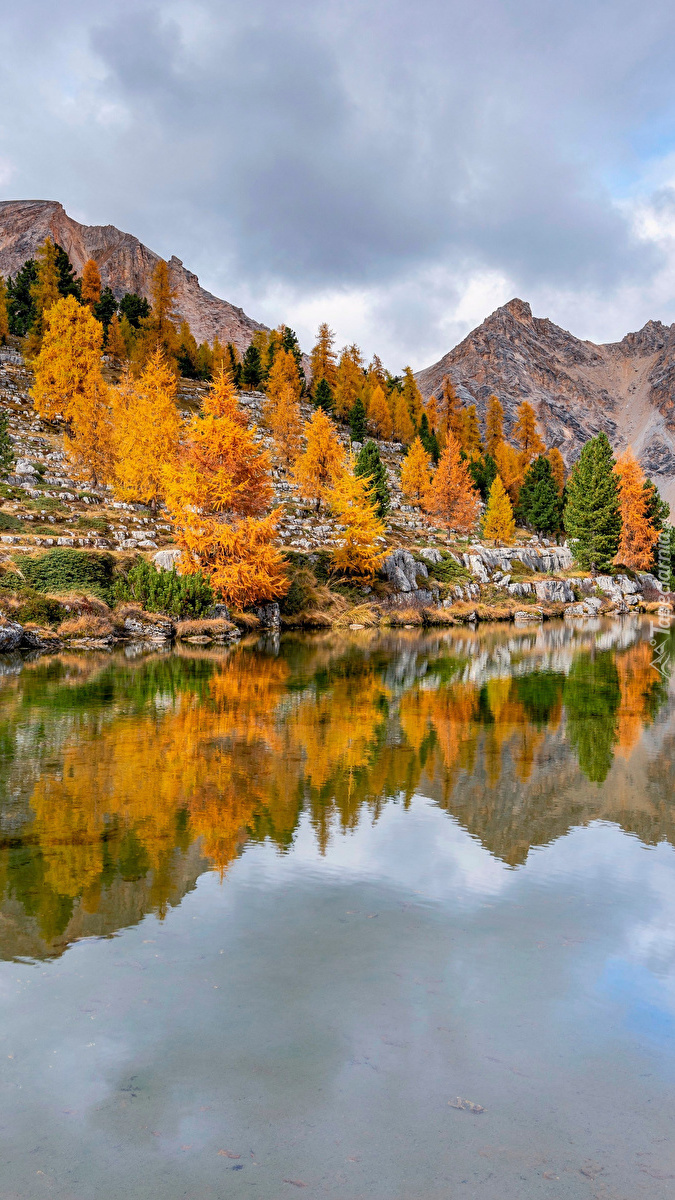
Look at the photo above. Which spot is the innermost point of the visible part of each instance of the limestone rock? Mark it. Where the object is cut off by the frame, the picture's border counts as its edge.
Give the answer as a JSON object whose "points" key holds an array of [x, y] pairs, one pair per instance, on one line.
{"points": [[11, 636], [402, 570], [149, 626], [554, 591], [166, 560]]}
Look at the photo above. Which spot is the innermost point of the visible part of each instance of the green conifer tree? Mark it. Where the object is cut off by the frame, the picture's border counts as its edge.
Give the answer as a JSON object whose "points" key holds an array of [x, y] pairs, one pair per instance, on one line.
{"points": [[591, 518], [20, 300], [234, 364], [6, 447], [323, 396], [251, 369], [483, 472], [68, 283], [135, 308], [428, 439], [539, 503], [105, 308], [357, 420], [369, 465]]}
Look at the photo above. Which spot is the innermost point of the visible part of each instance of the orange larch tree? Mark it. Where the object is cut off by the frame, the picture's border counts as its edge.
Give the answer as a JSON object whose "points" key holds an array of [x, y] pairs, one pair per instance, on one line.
{"points": [[451, 409], [470, 440], [638, 535], [283, 374], [322, 462], [45, 293], [147, 426], [284, 420], [379, 415], [218, 496], [350, 381], [511, 469], [323, 358], [413, 396], [525, 433], [452, 497], [404, 430], [416, 473], [91, 283], [115, 345], [358, 551], [494, 425]]}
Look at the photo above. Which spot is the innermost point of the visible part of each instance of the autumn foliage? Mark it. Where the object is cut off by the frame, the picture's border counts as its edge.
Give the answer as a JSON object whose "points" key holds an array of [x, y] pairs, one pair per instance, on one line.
{"points": [[452, 498], [357, 552], [498, 522], [146, 428], [416, 473], [322, 462], [638, 535]]}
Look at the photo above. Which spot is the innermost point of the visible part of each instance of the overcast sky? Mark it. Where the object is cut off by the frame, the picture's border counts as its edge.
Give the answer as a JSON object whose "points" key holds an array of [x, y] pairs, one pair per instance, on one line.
{"points": [[398, 169]]}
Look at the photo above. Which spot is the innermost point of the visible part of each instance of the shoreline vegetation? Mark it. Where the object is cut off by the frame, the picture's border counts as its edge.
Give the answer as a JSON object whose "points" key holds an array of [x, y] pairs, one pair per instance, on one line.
{"points": [[153, 490]]}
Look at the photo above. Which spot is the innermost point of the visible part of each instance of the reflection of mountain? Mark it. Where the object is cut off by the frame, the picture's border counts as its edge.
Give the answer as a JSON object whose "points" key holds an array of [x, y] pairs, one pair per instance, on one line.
{"points": [[124, 779]]}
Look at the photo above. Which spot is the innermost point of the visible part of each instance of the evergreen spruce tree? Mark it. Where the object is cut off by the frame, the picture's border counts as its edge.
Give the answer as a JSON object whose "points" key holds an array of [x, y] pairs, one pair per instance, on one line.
{"points": [[68, 283], [323, 396], [369, 466], [591, 518], [539, 503], [657, 513], [483, 472], [357, 420], [290, 343], [251, 370], [105, 308], [20, 300], [4, 315], [6, 447], [135, 308], [428, 439]]}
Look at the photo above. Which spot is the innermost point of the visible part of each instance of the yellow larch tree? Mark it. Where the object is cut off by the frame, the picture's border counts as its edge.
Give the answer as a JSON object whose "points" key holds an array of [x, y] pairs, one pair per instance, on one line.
{"points": [[283, 374], [416, 473], [494, 425], [498, 521], [45, 293], [4, 315], [510, 468], [404, 430], [557, 467], [218, 495], [349, 382], [323, 358], [452, 497], [451, 410], [70, 359], [379, 415], [284, 420], [147, 427], [91, 283], [470, 440], [433, 411], [115, 345], [638, 535], [525, 433], [322, 462], [90, 443], [357, 552], [413, 396]]}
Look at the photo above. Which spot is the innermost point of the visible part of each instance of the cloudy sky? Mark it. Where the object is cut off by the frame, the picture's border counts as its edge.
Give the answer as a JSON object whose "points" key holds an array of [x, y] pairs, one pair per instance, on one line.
{"points": [[398, 169]]}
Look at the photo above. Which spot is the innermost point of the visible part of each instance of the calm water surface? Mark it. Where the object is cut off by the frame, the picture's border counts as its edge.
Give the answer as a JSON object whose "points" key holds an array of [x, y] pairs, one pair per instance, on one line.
{"points": [[283, 917]]}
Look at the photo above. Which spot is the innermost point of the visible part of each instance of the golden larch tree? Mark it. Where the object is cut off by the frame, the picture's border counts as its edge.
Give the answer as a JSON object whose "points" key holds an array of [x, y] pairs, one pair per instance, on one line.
{"points": [[494, 425], [557, 467], [451, 410], [511, 469], [91, 283], [45, 293], [283, 374], [68, 367], [470, 440], [218, 495], [115, 345], [525, 433], [498, 521], [147, 426], [416, 473], [323, 357], [379, 415], [350, 381], [284, 419], [638, 535], [413, 396], [4, 315], [404, 430], [357, 552], [433, 411], [322, 462], [452, 497], [89, 443]]}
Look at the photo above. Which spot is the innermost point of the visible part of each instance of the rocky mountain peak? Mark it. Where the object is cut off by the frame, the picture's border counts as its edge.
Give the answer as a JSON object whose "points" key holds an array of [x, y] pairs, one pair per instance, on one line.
{"points": [[577, 388], [126, 265]]}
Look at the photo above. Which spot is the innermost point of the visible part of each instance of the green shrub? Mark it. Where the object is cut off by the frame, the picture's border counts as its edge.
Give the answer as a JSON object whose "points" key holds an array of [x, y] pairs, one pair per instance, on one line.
{"points": [[164, 591], [447, 571], [65, 570], [301, 594], [42, 610], [8, 523]]}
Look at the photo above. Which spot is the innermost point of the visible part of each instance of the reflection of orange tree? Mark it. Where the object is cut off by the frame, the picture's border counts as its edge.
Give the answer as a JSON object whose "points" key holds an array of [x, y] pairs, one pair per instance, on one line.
{"points": [[640, 684]]}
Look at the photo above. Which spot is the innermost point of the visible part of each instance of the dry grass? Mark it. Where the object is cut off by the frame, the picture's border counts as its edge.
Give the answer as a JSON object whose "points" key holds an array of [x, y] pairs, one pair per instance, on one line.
{"points": [[86, 625], [246, 621], [204, 627], [655, 606], [355, 614], [81, 603]]}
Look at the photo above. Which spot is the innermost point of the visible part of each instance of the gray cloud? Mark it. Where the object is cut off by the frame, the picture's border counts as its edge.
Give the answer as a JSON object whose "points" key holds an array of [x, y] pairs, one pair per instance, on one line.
{"points": [[326, 147]]}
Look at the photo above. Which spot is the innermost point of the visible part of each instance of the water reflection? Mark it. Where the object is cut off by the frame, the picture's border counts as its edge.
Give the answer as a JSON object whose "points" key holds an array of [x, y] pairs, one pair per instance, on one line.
{"points": [[123, 779]]}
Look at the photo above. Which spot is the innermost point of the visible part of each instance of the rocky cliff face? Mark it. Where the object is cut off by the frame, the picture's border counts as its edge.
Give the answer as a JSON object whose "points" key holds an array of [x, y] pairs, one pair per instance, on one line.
{"points": [[126, 265], [625, 388]]}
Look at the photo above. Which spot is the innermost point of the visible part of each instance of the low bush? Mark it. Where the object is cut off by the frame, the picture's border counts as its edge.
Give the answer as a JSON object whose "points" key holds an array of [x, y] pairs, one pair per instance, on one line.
{"points": [[39, 609], [448, 571], [301, 594], [65, 570], [9, 523], [164, 591]]}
